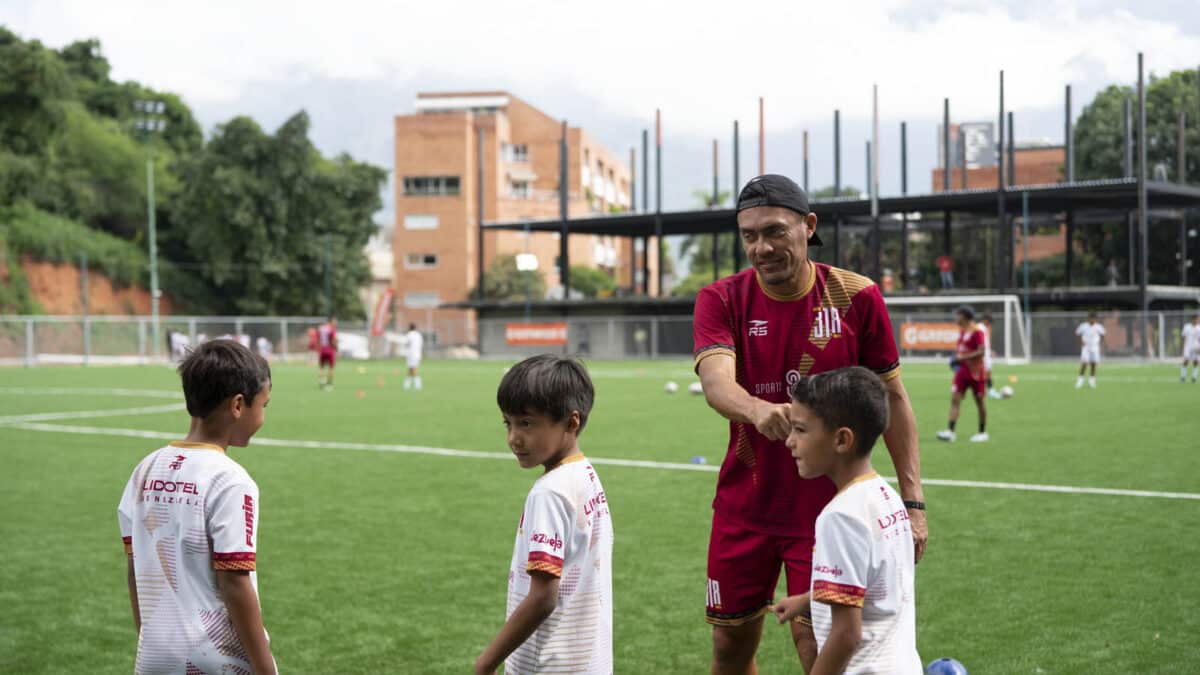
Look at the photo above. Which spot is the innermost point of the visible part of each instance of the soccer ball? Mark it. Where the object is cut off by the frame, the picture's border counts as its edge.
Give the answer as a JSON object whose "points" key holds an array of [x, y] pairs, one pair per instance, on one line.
{"points": [[1006, 391], [672, 387], [695, 389], [945, 667]]}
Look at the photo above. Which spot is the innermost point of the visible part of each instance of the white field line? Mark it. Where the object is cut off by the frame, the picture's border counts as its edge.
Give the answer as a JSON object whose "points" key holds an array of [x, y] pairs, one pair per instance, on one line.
{"points": [[86, 414], [669, 466], [93, 391]]}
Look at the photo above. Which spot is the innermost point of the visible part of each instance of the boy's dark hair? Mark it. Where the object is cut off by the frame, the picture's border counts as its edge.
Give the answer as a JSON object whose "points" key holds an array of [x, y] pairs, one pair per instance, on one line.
{"points": [[1092, 315], [412, 326], [986, 318], [847, 397], [966, 311], [549, 385], [217, 370]]}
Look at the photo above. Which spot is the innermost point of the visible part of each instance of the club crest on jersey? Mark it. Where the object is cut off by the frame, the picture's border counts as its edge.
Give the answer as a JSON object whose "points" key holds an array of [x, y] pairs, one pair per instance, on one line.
{"points": [[178, 463], [827, 323], [758, 328]]}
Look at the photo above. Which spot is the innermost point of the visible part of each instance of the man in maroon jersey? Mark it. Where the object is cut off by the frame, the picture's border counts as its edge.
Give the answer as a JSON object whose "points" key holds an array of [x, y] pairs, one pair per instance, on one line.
{"points": [[327, 355], [756, 333], [969, 374]]}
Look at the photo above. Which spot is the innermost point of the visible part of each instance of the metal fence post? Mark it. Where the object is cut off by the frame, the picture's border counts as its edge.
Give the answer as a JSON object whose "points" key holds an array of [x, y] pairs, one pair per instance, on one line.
{"points": [[283, 337], [654, 338], [141, 341], [87, 339], [237, 328], [612, 338], [192, 331], [29, 351], [1162, 337]]}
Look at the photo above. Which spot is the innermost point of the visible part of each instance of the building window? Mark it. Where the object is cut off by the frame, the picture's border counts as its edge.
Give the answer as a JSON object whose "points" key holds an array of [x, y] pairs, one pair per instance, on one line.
{"points": [[420, 222], [519, 189], [431, 186], [420, 261], [515, 154], [421, 299]]}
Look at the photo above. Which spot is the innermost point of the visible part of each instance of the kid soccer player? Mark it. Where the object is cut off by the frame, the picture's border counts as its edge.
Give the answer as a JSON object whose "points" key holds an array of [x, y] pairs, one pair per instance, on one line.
{"points": [[1191, 348], [327, 354], [560, 580], [189, 520], [413, 343], [1091, 334], [861, 601]]}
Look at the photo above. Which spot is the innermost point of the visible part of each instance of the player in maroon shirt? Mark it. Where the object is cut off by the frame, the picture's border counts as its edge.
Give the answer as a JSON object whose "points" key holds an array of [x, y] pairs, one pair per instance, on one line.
{"points": [[327, 354], [756, 333], [969, 374]]}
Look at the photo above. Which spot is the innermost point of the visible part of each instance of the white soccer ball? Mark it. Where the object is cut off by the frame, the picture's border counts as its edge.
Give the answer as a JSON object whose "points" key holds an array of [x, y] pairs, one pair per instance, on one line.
{"points": [[695, 389], [672, 387], [1006, 391]]}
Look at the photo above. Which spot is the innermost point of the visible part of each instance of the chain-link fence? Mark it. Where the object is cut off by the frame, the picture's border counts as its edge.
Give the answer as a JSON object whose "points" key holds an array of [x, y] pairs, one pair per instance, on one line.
{"points": [[33, 340]]}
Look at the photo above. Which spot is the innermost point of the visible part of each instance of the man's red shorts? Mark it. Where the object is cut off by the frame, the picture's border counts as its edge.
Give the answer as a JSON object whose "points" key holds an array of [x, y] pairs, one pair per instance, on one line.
{"points": [[743, 570], [963, 380], [327, 357]]}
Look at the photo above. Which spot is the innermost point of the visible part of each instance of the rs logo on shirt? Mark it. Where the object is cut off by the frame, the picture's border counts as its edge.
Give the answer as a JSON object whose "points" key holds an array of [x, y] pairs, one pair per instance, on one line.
{"points": [[758, 328], [827, 323]]}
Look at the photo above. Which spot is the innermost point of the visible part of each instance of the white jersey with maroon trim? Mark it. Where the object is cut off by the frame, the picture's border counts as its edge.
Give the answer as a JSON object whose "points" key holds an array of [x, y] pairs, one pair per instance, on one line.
{"points": [[566, 531], [187, 511], [864, 558]]}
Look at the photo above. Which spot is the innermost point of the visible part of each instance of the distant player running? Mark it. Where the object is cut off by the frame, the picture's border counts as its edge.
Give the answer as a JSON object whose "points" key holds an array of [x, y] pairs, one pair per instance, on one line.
{"points": [[1191, 349], [1091, 334], [327, 352], [414, 344], [969, 375]]}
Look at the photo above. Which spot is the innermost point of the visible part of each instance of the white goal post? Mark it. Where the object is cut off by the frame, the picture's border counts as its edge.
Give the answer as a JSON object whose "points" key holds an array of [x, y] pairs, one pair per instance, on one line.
{"points": [[911, 314]]}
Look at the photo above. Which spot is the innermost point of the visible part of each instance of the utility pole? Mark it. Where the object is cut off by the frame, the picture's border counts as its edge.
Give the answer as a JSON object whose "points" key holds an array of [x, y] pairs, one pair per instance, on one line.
{"points": [[149, 121]]}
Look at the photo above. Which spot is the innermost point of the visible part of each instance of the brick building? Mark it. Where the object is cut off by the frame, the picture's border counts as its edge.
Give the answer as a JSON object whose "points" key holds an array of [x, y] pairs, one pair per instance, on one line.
{"points": [[436, 191]]}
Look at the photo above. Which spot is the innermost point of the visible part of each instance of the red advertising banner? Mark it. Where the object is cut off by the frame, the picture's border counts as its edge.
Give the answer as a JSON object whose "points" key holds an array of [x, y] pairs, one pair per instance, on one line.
{"points": [[382, 307], [539, 334], [939, 337]]}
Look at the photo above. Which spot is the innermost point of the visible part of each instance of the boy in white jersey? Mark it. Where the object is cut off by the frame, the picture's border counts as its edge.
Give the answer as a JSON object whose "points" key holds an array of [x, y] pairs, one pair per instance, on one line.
{"points": [[1091, 334], [1191, 348], [414, 343], [189, 520], [560, 580], [861, 601]]}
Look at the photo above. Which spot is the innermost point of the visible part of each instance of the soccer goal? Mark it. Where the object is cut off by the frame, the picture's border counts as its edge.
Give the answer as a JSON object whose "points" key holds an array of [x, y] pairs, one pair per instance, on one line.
{"points": [[925, 326]]}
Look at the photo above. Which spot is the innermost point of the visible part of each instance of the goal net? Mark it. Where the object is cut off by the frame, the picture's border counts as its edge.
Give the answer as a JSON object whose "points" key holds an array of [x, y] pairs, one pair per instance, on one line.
{"points": [[926, 330]]}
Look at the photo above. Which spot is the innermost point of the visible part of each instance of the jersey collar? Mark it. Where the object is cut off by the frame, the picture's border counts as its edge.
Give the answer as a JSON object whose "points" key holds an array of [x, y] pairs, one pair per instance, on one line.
{"points": [[189, 445], [570, 460], [864, 477], [812, 280]]}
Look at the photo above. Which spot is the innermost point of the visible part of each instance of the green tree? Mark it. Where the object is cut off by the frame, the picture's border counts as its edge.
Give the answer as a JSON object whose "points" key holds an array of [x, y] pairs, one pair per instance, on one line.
{"points": [[258, 217], [503, 281], [591, 282], [1099, 153]]}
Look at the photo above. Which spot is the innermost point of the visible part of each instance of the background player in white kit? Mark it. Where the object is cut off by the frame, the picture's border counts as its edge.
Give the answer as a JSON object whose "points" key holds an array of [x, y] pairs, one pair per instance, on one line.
{"points": [[560, 580], [985, 325], [862, 595], [189, 520], [1191, 348], [414, 344], [1091, 334]]}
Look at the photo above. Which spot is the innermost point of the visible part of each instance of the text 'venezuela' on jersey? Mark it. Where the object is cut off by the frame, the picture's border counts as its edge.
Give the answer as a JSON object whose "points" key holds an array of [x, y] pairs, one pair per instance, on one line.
{"points": [[188, 510], [839, 320], [566, 531]]}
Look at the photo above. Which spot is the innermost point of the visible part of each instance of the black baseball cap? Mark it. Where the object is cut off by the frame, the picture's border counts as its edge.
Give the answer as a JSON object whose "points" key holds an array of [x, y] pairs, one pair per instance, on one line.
{"points": [[773, 189]]}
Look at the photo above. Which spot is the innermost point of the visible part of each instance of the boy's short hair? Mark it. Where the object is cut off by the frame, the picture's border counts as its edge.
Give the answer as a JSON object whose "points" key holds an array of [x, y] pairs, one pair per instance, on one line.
{"points": [[547, 384], [966, 311], [847, 397], [218, 369], [986, 318]]}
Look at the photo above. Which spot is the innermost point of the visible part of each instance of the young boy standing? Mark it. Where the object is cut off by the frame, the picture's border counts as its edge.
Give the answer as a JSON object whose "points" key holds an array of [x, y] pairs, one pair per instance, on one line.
{"points": [[189, 520], [560, 580], [861, 600]]}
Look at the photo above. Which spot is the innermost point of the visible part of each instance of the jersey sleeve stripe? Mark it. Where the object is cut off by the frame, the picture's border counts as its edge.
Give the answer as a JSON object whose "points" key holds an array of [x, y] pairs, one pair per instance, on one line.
{"points": [[889, 373], [540, 561], [234, 561], [713, 350], [838, 594]]}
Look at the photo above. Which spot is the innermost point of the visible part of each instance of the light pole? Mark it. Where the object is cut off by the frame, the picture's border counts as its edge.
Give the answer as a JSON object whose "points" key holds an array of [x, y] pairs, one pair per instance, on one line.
{"points": [[527, 264], [148, 120]]}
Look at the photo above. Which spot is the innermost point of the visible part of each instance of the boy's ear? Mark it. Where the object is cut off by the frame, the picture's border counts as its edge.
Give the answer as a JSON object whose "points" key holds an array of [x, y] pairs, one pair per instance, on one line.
{"points": [[843, 440], [237, 405], [573, 423]]}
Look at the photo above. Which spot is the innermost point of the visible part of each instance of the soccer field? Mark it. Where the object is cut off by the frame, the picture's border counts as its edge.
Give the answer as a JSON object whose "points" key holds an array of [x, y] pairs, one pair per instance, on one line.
{"points": [[382, 553]]}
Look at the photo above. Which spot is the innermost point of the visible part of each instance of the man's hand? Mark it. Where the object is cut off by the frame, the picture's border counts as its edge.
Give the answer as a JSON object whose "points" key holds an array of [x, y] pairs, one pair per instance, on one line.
{"points": [[920, 530], [771, 420], [791, 607]]}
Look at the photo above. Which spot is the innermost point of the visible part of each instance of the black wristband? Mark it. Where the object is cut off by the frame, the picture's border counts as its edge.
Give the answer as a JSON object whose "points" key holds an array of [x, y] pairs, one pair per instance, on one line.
{"points": [[914, 504]]}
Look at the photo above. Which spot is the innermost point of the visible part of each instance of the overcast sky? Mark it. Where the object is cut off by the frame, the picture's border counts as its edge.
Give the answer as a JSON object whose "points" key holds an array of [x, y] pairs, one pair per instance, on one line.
{"points": [[606, 66]]}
